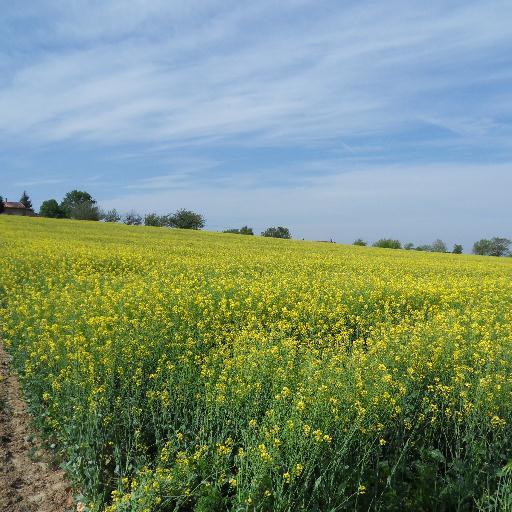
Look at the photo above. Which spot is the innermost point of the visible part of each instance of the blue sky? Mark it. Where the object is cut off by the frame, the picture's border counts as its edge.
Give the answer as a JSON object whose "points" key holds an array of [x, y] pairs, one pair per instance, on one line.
{"points": [[339, 119]]}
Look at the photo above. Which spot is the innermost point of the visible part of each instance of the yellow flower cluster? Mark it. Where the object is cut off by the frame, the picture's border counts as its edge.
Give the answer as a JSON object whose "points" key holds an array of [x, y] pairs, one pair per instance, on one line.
{"points": [[178, 369]]}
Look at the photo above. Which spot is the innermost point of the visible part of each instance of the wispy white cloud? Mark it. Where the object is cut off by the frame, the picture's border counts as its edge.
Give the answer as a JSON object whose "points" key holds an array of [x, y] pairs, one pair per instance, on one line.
{"points": [[37, 183], [365, 113], [179, 74]]}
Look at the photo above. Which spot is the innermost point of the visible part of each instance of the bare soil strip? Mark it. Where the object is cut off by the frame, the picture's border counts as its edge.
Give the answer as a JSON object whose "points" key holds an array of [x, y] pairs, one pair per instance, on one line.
{"points": [[28, 480]]}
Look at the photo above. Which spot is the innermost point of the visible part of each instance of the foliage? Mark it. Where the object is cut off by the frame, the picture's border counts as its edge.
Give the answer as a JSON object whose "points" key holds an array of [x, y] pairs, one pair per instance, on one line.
{"points": [[360, 242], [388, 243], [186, 219], [457, 249], [73, 202], [1, 204], [85, 211], [152, 219], [409, 246], [25, 200], [438, 246], [177, 370], [277, 232], [132, 218], [50, 208], [496, 246], [244, 230], [111, 216], [500, 246]]}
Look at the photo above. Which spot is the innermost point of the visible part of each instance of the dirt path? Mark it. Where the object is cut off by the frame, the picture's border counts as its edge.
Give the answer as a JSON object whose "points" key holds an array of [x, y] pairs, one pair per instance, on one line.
{"points": [[28, 481]]}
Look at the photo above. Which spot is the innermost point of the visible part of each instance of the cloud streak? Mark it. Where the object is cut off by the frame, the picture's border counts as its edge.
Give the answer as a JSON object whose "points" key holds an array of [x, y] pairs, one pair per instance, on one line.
{"points": [[280, 104], [175, 75]]}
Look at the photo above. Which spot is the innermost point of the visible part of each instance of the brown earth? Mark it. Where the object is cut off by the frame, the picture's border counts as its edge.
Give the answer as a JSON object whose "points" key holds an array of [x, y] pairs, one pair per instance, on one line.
{"points": [[29, 481]]}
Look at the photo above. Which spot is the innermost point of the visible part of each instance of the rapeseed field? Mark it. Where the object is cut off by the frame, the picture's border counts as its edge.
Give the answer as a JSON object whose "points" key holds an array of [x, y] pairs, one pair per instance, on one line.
{"points": [[195, 371]]}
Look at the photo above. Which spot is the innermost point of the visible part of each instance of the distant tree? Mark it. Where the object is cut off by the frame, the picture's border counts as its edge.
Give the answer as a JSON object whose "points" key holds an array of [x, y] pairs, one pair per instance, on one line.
{"points": [[51, 208], [457, 249], [388, 243], [409, 246], [152, 219], [500, 246], [483, 247], [244, 230], [73, 199], [438, 246], [85, 211], [111, 216], [277, 232], [423, 248], [25, 200], [360, 242], [1, 204], [186, 219], [132, 218]]}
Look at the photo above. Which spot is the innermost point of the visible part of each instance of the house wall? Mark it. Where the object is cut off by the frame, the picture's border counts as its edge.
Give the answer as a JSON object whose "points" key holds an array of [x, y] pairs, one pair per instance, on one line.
{"points": [[18, 211]]}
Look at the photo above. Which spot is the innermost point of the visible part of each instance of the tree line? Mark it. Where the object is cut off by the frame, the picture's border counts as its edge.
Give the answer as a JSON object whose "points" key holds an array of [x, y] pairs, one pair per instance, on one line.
{"points": [[496, 246], [80, 205]]}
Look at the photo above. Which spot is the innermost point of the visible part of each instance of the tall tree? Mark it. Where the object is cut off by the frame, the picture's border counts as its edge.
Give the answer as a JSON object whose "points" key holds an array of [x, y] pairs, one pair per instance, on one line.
{"points": [[50, 208], [457, 249], [75, 199], [85, 211], [500, 246], [1, 204], [483, 247], [25, 200], [438, 246]]}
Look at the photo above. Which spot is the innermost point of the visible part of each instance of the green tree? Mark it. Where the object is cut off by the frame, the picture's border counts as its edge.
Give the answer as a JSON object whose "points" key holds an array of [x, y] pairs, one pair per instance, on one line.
{"points": [[111, 216], [85, 211], [500, 246], [25, 200], [388, 243], [360, 242], [483, 247], [50, 208], [152, 219], [438, 246], [244, 230], [186, 219], [457, 249], [1, 204], [409, 246], [74, 199], [132, 218], [277, 232]]}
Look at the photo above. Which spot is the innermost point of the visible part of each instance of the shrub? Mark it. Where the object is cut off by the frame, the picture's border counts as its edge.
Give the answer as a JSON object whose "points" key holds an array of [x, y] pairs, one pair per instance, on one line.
{"points": [[388, 243], [277, 232]]}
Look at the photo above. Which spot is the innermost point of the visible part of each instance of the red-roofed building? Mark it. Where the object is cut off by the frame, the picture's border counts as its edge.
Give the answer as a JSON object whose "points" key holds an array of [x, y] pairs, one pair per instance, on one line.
{"points": [[17, 208]]}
